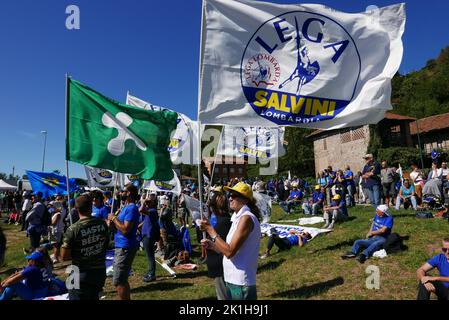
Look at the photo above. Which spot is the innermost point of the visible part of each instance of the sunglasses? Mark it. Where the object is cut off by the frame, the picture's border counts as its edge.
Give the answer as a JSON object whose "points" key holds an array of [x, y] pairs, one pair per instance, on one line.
{"points": [[234, 196], [445, 250]]}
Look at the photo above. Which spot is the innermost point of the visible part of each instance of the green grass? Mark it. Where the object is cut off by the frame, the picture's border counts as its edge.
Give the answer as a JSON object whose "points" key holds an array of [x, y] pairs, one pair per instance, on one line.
{"points": [[315, 271]]}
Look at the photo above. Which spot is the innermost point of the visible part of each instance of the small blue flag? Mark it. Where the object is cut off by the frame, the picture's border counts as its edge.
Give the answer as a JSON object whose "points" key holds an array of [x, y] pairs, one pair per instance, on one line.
{"points": [[50, 184], [186, 240]]}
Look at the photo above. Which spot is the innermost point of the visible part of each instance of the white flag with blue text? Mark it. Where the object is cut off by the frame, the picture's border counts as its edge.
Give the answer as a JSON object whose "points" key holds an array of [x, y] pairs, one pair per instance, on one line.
{"points": [[253, 142], [173, 186], [269, 65], [99, 178], [183, 146]]}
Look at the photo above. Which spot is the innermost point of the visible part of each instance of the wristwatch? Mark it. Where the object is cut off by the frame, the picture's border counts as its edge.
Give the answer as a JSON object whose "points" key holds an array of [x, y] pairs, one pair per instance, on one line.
{"points": [[213, 238]]}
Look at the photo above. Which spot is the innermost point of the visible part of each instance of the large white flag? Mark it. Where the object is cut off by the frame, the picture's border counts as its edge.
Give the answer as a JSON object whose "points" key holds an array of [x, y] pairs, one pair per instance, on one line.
{"points": [[254, 142], [311, 66], [184, 140], [173, 186]]}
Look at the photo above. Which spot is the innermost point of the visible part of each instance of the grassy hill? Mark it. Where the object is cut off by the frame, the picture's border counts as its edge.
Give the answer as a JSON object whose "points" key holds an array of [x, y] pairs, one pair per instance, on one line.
{"points": [[315, 271]]}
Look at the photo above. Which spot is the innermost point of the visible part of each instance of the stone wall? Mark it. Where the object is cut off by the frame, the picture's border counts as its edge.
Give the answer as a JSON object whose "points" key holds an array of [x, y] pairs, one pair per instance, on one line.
{"points": [[341, 148]]}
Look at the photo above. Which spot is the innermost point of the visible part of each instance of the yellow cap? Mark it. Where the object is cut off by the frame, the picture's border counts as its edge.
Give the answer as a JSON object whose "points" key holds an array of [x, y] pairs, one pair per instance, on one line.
{"points": [[218, 189], [243, 189], [336, 197], [317, 187]]}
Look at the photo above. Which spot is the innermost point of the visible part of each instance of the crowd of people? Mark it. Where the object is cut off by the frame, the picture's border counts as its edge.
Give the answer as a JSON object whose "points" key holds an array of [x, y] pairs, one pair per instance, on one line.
{"points": [[159, 223]]}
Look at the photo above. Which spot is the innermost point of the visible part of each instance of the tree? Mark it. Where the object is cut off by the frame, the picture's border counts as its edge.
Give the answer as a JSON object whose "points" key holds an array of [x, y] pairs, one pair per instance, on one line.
{"points": [[300, 157]]}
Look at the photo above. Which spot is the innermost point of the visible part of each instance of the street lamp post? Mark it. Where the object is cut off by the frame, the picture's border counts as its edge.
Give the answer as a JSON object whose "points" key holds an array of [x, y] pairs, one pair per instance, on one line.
{"points": [[45, 145]]}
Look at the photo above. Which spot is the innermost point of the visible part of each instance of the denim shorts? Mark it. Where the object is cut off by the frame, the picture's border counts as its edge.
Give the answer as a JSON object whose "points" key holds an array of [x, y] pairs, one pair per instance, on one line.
{"points": [[123, 260], [235, 292]]}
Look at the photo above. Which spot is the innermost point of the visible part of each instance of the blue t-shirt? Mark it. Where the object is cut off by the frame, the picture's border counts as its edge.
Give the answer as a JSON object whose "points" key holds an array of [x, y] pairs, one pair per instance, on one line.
{"points": [[408, 192], [101, 212], [440, 262], [33, 278], [380, 222], [322, 181], [296, 193], [375, 179], [294, 239], [150, 227], [317, 196], [341, 203], [347, 175], [128, 241]]}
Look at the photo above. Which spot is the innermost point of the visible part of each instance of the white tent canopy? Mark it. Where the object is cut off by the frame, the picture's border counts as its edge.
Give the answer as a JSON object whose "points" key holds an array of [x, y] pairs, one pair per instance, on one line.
{"points": [[6, 186]]}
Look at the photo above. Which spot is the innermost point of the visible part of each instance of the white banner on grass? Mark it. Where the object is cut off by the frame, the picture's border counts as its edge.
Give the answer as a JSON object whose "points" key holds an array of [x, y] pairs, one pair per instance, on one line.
{"points": [[283, 230], [173, 186], [310, 66], [183, 146], [254, 142]]}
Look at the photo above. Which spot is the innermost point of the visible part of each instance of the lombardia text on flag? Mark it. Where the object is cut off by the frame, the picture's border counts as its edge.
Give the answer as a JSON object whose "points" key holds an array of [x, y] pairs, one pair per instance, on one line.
{"points": [[311, 66], [106, 134]]}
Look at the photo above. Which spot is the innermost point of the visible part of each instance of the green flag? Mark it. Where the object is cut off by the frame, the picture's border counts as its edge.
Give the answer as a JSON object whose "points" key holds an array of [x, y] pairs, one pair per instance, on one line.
{"points": [[107, 134]]}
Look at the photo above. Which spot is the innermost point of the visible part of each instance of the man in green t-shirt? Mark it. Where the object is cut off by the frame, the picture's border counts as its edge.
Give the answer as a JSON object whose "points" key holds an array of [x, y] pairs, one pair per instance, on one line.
{"points": [[85, 243]]}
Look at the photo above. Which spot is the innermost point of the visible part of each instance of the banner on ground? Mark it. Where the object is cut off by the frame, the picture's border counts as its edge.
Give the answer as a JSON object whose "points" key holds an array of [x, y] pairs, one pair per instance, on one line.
{"points": [[253, 142], [50, 184], [283, 230], [183, 146], [173, 186], [266, 64], [104, 133]]}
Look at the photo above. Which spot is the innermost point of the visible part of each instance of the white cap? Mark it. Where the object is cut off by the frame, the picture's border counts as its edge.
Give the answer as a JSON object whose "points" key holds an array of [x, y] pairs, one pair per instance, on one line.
{"points": [[384, 208]]}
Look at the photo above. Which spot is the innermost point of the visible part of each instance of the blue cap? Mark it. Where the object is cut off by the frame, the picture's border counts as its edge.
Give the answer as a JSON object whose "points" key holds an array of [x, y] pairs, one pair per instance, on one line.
{"points": [[35, 256], [39, 193]]}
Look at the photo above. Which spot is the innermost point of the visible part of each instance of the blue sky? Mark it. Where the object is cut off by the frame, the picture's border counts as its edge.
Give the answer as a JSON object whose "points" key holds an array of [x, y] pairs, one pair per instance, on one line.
{"points": [[150, 47]]}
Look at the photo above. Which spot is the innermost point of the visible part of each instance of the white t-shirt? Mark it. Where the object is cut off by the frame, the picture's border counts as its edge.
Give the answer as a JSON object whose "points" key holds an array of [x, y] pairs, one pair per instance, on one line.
{"points": [[59, 227], [27, 205], [416, 176]]}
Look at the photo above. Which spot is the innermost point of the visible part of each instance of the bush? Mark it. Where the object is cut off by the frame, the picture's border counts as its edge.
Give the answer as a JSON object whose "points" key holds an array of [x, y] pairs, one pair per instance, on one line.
{"points": [[399, 155]]}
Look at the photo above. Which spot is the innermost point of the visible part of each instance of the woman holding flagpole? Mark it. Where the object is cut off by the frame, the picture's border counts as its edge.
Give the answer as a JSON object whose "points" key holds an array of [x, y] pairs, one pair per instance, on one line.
{"points": [[241, 246]]}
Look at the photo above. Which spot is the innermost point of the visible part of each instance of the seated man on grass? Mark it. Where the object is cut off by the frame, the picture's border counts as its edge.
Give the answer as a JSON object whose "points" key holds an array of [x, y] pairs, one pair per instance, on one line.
{"points": [[27, 284], [316, 204], [293, 200], [437, 285], [337, 211], [376, 237], [294, 238]]}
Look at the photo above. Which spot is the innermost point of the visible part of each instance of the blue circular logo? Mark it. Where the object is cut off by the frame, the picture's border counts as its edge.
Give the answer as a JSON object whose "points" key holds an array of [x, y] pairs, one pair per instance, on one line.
{"points": [[300, 67]]}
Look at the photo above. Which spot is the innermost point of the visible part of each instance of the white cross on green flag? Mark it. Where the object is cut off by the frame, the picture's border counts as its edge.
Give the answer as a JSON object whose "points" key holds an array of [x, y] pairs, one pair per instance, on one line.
{"points": [[107, 134]]}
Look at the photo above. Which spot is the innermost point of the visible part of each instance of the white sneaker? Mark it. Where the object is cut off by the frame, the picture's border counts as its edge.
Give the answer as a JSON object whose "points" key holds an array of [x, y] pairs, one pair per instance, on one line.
{"points": [[264, 256]]}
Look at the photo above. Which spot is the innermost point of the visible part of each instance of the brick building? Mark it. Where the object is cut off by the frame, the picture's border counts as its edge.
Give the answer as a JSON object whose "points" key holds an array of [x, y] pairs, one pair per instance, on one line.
{"points": [[342, 147], [226, 168]]}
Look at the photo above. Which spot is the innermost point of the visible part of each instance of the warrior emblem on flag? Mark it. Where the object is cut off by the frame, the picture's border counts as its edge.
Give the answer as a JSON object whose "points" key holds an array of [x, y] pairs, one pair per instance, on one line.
{"points": [[289, 63]]}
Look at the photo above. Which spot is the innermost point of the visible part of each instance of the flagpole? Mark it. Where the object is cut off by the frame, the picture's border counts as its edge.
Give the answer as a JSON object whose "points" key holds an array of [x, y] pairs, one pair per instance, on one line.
{"points": [[200, 183], [66, 134], [213, 166]]}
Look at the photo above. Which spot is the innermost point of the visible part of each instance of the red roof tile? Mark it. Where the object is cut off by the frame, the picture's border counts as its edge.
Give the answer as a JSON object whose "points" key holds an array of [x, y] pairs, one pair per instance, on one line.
{"points": [[388, 115], [438, 122], [394, 116]]}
